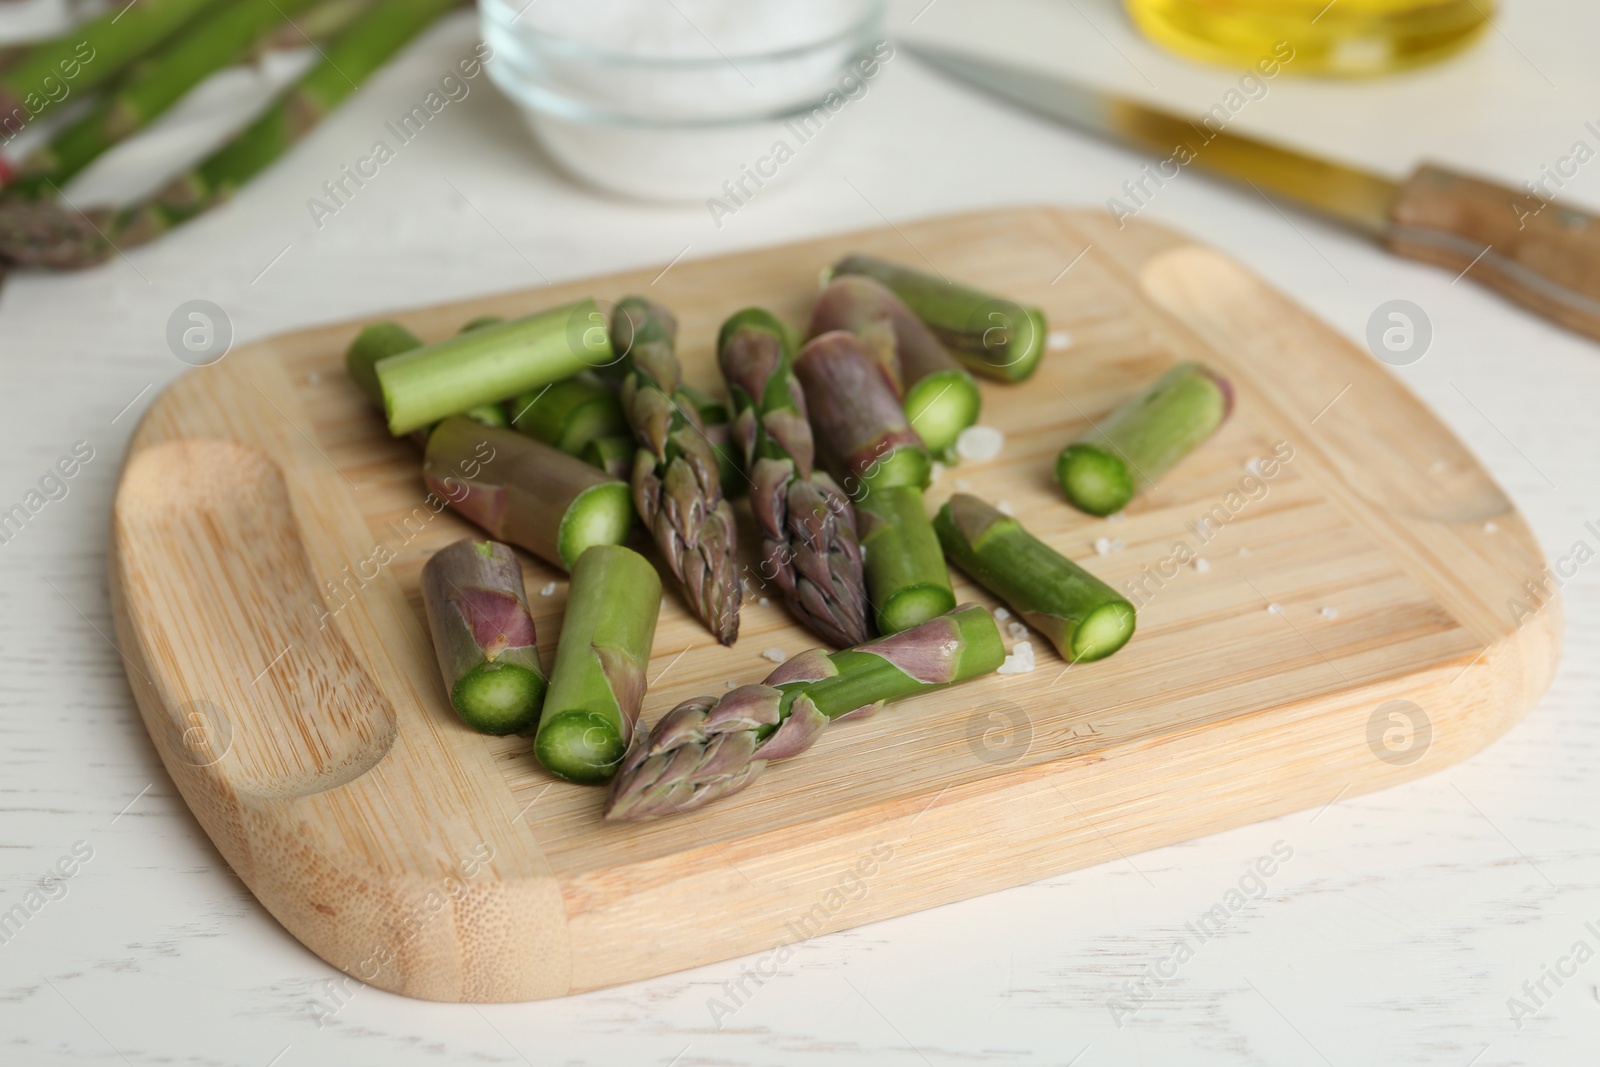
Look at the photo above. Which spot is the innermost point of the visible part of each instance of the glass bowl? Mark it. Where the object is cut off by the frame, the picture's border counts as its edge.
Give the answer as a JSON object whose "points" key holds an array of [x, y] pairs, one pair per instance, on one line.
{"points": [[687, 106]]}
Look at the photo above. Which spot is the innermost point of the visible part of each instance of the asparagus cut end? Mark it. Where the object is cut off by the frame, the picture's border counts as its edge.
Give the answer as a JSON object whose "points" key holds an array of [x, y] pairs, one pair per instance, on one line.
{"points": [[601, 515], [378, 341], [913, 606], [499, 698], [941, 405], [1094, 480], [580, 746], [1106, 629], [902, 466]]}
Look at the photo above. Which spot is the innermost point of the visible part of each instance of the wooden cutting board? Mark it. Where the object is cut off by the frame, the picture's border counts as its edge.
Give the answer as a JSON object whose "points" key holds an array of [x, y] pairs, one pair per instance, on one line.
{"points": [[1350, 628]]}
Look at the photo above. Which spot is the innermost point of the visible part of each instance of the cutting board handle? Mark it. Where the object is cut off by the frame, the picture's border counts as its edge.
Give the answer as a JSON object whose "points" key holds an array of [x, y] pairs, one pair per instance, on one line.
{"points": [[260, 691], [1542, 254]]}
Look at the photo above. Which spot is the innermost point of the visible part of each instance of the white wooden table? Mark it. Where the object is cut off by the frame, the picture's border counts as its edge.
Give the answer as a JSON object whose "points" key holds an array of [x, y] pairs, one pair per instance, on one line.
{"points": [[1396, 934]]}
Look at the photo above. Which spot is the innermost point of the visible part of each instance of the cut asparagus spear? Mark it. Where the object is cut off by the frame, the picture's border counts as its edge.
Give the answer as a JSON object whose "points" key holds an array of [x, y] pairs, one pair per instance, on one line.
{"points": [[482, 322], [1139, 442], [374, 343], [994, 337], [808, 537], [676, 484], [861, 430], [42, 233], [906, 575], [940, 399], [599, 678], [92, 54], [488, 365], [569, 414], [552, 504], [218, 37], [1081, 615], [614, 455], [706, 748], [483, 635]]}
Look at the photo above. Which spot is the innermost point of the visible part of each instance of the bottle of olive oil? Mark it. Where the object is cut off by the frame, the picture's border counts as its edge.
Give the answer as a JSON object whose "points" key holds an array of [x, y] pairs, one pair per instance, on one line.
{"points": [[1330, 37]]}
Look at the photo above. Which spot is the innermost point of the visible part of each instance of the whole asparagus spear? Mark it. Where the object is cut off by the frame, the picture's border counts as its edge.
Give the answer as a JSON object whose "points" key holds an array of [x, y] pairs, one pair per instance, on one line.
{"points": [[87, 57], [861, 429], [706, 748], [808, 536], [1081, 615], [993, 337], [599, 678], [42, 233], [940, 399], [483, 635], [1140, 441], [216, 39], [521, 491], [676, 485]]}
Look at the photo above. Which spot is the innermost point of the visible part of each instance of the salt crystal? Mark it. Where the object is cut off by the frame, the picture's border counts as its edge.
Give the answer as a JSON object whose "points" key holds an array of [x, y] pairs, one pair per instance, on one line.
{"points": [[936, 471], [1001, 614], [1116, 516], [1020, 661], [962, 485], [730, 685], [1253, 465], [980, 443], [1244, 552], [1201, 564], [1329, 613], [1016, 630], [313, 378], [1058, 339], [1490, 527], [1104, 546], [776, 655], [763, 602], [1275, 609], [548, 590], [1004, 507]]}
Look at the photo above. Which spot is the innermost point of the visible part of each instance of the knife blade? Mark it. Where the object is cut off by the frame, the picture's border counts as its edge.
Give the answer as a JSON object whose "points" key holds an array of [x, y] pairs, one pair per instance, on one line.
{"points": [[1542, 254]]}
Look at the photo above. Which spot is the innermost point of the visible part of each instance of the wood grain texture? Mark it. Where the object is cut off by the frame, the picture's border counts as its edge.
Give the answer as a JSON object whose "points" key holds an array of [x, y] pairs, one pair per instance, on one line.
{"points": [[1542, 254], [435, 862]]}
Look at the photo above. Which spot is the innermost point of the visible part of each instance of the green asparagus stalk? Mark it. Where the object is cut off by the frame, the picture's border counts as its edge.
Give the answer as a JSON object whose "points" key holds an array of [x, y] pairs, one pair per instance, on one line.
{"points": [[328, 18], [524, 492], [599, 678], [483, 635], [1081, 615], [612, 454], [377, 341], [676, 485], [808, 536], [89, 56], [906, 574], [381, 340], [42, 233], [706, 748], [994, 337], [940, 399], [1144, 438], [861, 430], [569, 414], [487, 365], [219, 37]]}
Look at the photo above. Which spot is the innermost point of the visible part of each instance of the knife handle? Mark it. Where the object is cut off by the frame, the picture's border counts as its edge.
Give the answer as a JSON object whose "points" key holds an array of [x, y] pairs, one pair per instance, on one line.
{"points": [[1542, 254]]}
